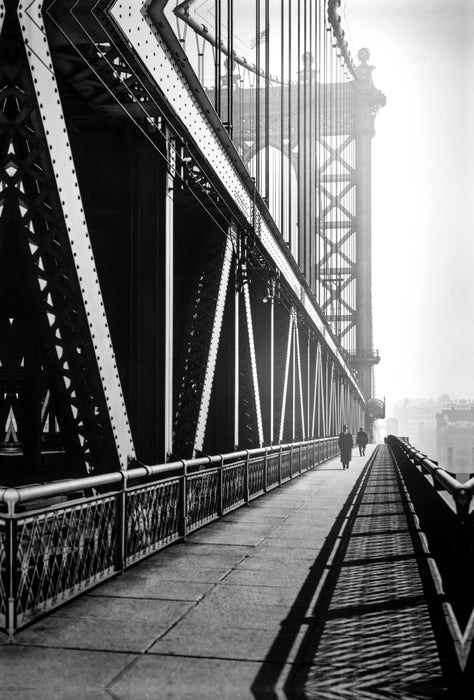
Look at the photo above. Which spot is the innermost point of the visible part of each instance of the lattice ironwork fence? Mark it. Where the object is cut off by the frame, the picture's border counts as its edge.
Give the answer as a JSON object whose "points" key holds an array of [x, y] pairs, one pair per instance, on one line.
{"points": [[58, 540]]}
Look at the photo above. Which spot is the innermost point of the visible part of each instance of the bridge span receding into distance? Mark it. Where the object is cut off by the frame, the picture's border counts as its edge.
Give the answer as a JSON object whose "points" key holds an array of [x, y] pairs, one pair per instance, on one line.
{"points": [[321, 588], [185, 328]]}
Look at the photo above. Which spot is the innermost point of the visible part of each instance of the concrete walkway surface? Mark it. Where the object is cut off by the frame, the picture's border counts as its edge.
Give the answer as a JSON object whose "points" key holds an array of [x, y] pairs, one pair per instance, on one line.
{"points": [[219, 616]]}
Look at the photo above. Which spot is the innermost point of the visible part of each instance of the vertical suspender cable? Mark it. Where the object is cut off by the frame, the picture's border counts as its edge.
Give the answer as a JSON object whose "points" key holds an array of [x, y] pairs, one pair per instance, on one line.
{"points": [[230, 67], [267, 101], [300, 75], [312, 162], [257, 103], [217, 57], [291, 233], [284, 178]]}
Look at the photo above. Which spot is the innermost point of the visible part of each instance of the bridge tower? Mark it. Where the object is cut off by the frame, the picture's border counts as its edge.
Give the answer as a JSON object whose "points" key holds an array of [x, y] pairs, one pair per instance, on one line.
{"points": [[368, 102]]}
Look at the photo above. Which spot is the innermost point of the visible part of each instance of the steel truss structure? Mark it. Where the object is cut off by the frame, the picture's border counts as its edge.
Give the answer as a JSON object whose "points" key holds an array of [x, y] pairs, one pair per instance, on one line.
{"points": [[179, 242]]}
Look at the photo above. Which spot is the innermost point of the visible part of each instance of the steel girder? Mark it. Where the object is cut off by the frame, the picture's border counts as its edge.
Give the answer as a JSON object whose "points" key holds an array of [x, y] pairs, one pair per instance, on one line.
{"points": [[83, 66]]}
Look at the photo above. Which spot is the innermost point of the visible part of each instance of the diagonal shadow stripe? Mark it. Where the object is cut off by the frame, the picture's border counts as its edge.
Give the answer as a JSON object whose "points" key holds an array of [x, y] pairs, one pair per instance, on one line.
{"points": [[267, 678], [398, 647]]}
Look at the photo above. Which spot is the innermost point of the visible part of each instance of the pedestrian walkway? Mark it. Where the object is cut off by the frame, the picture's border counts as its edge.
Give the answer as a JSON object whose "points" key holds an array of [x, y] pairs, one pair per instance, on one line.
{"points": [[314, 590]]}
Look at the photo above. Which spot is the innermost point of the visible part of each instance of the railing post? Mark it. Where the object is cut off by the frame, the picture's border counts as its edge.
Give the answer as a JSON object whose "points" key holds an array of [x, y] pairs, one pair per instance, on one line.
{"points": [[220, 495], [265, 471], [247, 486], [301, 450], [184, 502], [121, 563], [12, 575], [463, 501], [291, 461], [279, 467]]}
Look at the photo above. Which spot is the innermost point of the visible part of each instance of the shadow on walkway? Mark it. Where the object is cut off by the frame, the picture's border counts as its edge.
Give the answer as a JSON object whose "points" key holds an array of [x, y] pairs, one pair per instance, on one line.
{"points": [[366, 605]]}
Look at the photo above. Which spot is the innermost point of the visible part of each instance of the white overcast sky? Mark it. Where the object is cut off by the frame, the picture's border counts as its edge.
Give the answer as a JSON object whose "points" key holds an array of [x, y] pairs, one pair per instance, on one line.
{"points": [[423, 193]]}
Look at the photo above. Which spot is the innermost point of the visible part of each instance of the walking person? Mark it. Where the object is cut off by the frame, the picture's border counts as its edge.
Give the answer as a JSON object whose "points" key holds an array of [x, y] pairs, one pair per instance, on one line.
{"points": [[345, 445], [362, 439]]}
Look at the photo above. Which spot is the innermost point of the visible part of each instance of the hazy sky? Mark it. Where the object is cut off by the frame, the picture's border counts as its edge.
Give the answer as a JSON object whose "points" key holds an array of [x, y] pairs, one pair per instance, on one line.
{"points": [[423, 199]]}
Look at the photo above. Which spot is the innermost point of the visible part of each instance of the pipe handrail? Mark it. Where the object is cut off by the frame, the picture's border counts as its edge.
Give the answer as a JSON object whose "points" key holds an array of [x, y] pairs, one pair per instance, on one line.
{"points": [[462, 493], [22, 494]]}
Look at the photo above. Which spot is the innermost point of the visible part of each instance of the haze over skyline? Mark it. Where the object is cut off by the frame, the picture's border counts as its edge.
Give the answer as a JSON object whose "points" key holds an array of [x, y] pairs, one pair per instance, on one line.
{"points": [[423, 247]]}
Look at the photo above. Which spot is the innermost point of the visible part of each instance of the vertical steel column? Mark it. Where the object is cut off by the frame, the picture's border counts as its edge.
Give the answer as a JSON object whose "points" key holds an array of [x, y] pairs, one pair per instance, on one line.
{"points": [[323, 394], [169, 285], [316, 405], [309, 432], [236, 367], [300, 381], [367, 101], [364, 245], [293, 382], [330, 388], [271, 407]]}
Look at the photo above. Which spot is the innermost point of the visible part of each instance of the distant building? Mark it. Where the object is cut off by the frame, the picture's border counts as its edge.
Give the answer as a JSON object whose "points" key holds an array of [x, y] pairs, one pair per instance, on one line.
{"points": [[427, 438], [455, 439], [392, 427], [417, 421]]}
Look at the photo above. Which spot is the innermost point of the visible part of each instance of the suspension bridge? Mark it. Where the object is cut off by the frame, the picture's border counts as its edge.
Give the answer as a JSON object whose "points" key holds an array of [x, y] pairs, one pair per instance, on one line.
{"points": [[186, 327]]}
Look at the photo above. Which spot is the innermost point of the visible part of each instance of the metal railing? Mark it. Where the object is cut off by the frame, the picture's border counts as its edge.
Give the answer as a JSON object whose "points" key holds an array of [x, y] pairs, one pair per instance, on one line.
{"points": [[462, 493], [58, 540]]}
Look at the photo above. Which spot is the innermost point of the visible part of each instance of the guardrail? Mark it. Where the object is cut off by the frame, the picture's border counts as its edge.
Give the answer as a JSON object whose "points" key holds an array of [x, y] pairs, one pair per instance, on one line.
{"points": [[462, 493], [58, 540]]}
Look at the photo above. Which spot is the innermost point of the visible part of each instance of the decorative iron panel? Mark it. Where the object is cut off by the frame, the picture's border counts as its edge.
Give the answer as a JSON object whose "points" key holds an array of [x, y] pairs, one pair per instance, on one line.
{"points": [[202, 498], [320, 452], [295, 462], [233, 486], [273, 471], [152, 518], [286, 466], [304, 460], [63, 552], [256, 477]]}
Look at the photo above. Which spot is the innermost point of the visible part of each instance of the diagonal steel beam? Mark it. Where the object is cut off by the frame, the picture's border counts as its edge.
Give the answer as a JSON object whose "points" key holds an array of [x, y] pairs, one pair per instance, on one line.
{"points": [[214, 346], [39, 58], [285, 379], [253, 363]]}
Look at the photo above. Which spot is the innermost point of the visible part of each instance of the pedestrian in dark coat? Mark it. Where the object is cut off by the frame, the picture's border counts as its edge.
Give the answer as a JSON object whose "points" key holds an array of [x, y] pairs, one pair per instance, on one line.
{"points": [[362, 439], [345, 445]]}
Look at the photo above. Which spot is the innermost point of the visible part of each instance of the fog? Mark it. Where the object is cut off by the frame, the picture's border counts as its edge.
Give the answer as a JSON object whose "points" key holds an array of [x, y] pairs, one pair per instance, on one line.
{"points": [[423, 205]]}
